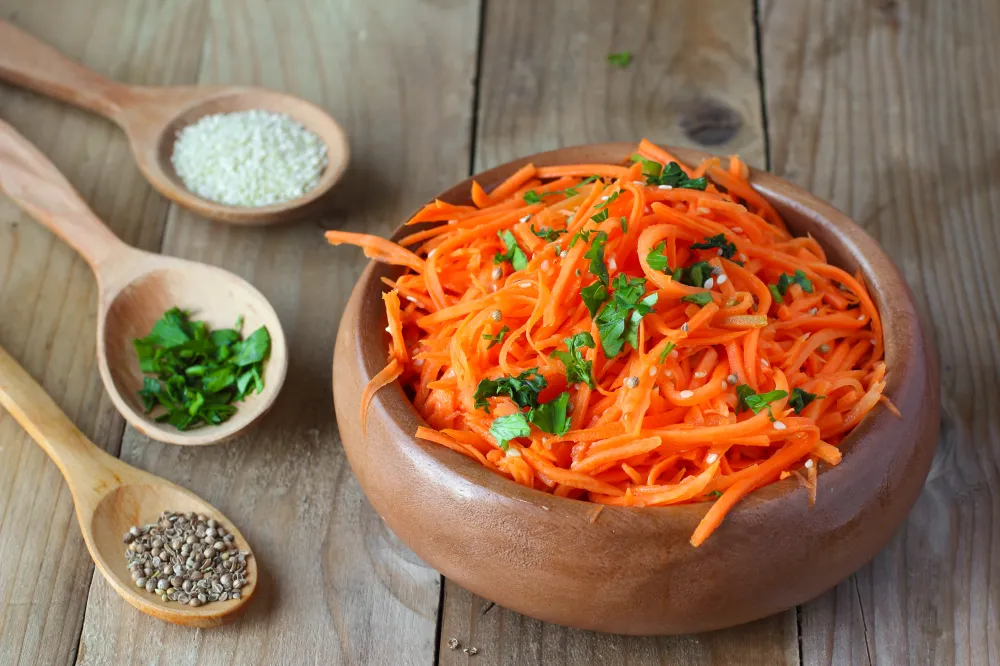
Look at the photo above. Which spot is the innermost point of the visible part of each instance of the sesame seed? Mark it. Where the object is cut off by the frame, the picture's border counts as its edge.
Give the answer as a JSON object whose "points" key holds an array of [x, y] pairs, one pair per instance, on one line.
{"points": [[525, 218], [737, 230], [632, 382], [699, 374], [452, 221], [497, 273], [703, 210], [778, 425], [743, 257], [685, 327], [824, 348], [861, 317], [719, 252], [687, 394], [639, 182], [711, 458], [525, 284], [725, 384], [716, 270], [733, 378], [496, 315], [809, 464], [493, 288], [674, 354], [431, 252], [605, 197], [545, 265], [764, 363], [562, 255], [647, 210], [709, 283], [665, 187], [722, 279], [513, 453], [813, 311], [612, 264], [668, 373], [411, 299], [652, 371], [418, 362], [388, 330], [805, 336]]}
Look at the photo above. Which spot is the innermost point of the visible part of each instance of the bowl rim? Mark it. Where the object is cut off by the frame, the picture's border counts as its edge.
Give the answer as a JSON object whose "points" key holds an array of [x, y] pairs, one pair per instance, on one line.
{"points": [[906, 354]]}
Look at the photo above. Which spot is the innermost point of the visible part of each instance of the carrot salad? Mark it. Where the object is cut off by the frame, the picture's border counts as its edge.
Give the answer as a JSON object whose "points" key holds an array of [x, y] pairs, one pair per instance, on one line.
{"points": [[636, 334]]}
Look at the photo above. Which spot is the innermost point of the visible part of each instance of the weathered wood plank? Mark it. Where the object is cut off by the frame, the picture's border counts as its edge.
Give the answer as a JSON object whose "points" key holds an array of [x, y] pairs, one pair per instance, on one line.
{"points": [[48, 301], [546, 82], [336, 586], [888, 109]]}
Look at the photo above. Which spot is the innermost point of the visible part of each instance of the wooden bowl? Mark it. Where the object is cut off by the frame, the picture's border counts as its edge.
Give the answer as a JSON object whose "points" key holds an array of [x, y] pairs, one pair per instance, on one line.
{"points": [[633, 571]]}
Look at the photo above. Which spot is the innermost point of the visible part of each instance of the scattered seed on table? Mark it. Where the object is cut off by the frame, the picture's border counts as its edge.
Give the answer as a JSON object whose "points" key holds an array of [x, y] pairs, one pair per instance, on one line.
{"points": [[158, 562]]}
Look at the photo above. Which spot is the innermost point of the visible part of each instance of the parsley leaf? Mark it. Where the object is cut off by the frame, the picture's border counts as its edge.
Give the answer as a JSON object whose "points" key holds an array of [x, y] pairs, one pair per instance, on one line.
{"points": [[665, 353], [620, 60], [785, 281], [756, 402], [515, 255], [506, 428], [577, 369], [656, 259], [532, 197], [600, 216], [197, 371], [624, 222], [573, 191], [523, 389], [594, 297], [726, 249], [618, 321], [596, 256], [672, 174], [701, 299], [496, 339], [607, 202], [696, 274], [551, 416], [547, 234], [716, 494], [583, 234], [800, 399]]}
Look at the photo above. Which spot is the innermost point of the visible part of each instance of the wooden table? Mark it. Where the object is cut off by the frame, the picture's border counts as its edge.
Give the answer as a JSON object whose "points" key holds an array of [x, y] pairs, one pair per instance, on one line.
{"points": [[888, 108]]}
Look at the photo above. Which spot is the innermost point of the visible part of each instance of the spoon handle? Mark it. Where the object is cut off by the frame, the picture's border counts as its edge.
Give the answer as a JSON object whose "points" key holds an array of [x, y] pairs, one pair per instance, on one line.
{"points": [[89, 470], [30, 63], [34, 183]]}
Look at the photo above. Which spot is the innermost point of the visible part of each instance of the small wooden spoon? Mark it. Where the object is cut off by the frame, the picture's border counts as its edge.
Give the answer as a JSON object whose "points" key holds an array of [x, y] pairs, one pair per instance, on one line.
{"points": [[111, 496], [151, 117], [135, 288]]}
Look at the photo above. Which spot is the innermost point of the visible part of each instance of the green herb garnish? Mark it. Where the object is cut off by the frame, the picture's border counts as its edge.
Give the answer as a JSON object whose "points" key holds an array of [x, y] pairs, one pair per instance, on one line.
{"points": [[596, 255], [701, 299], [506, 428], [607, 202], [496, 339], [757, 402], [620, 60], [515, 255], [600, 216], [725, 248], [624, 222], [800, 399], [577, 369], [618, 321], [662, 358], [523, 389], [716, 494], [594, 297], [785, 281], [656, 259], [199, 374], [551, 416], [672, 174], [696, 274], [547, 234]]}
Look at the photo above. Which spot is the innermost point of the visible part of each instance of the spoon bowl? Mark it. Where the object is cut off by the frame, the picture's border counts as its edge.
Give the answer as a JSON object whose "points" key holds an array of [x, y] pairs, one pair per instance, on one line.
{"points": [[152, 117], [111, 496], [136, 288]]}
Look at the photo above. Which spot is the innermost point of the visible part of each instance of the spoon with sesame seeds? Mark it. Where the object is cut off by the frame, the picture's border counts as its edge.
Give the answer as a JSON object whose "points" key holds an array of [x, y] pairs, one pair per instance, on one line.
{"points": [[153, 118], [135, 288], [111, 497]]}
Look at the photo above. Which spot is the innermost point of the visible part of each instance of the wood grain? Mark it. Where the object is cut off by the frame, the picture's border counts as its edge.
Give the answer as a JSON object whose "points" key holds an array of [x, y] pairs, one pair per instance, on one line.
{"points": [[888, 109], [48, 301], [336, 587], [545, 82]]}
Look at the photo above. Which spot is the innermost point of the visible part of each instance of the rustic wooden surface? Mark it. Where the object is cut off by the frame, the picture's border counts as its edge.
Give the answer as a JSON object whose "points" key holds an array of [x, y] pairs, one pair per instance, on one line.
{"points": [[885, 107]]}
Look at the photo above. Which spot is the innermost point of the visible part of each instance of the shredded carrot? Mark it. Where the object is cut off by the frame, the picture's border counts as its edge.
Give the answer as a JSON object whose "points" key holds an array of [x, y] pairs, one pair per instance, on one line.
{"points": [[637, 327]]}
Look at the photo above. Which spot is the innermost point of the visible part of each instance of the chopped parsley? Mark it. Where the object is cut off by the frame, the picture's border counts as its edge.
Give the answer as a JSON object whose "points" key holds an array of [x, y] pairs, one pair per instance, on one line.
{"points": [[594, 297], [577, 369], [515, 255], [523, 389], [551, 416], [583, 234], [506, 428], [533, 197], [618, 321], [672, 174], [596, 255], [609, 200], [665, 353], [546, 233], [620, 60], [624, 222], [716, 494], [199, 373], [725, 248], [600, 216], [496, 339], [800, 399], [696, 274], [656, 259], [701, 299], [757, 402], [785, 281]]}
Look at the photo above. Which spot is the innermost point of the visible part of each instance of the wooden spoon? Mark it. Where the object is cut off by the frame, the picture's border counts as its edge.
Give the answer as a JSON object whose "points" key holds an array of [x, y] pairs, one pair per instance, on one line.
{"points": [[135, 288], [151, 117], [111, 496]]}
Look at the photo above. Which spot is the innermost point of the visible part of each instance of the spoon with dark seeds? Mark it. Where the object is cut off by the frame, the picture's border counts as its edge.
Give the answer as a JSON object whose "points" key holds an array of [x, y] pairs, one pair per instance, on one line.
{"points": [[112, 498]]}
